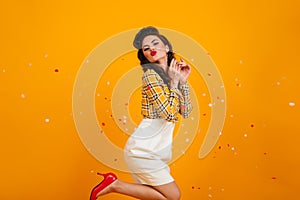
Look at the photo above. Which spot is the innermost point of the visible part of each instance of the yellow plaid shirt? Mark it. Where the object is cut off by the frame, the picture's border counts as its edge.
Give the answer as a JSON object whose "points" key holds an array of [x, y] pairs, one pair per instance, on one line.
{"points": [[158, 101]]}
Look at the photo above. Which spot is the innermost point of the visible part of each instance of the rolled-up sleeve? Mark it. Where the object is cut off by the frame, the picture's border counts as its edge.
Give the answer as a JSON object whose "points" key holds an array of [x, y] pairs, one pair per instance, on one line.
{"points": [[186, 106]]}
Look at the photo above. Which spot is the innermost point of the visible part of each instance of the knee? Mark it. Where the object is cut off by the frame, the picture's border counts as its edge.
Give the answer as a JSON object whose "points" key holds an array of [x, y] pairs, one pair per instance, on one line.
{"points": [[176, 195]]}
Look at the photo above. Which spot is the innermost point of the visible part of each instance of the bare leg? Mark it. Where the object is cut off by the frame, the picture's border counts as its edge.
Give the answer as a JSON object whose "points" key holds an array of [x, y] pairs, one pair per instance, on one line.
{"points": [[168, 191]]}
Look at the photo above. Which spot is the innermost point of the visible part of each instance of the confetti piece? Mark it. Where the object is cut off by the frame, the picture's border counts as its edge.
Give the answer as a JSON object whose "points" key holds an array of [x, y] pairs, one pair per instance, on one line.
{"points": [[103, 124], [30, 64], [3, 70], [245, 135], [107, 83], [292, 104], [252, 125], [278, 83], [239, 85], [210, 104], [47, 120], [23, 96], [204, 94], [209, 74], [46, 56], [274, 177], [56, 70]]}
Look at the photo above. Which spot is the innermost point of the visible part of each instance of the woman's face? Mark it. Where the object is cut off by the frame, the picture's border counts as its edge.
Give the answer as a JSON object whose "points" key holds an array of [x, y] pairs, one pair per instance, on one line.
{"points": [[154, 49]]}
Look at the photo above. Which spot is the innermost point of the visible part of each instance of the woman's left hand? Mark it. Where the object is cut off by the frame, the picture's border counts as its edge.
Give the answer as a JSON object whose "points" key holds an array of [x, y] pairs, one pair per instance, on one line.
{"points": [[185, 71]]}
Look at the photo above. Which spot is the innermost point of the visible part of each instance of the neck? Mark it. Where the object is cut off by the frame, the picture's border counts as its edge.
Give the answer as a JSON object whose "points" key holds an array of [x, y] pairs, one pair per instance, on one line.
{"points": [[163, 63]]}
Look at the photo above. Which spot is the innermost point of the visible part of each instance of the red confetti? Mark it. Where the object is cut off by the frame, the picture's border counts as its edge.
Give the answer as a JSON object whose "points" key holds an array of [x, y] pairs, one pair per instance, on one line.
{"points": [[274, 177], [193, 187], [204, 114], [220, 147], [116, 159], [252, 125], [103, 124], [209, 74], [56, 70]]}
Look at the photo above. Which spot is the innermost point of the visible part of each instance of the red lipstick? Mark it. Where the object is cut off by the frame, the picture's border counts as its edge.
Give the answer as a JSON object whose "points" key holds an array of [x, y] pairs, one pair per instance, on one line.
{"points": [[153, 53]]}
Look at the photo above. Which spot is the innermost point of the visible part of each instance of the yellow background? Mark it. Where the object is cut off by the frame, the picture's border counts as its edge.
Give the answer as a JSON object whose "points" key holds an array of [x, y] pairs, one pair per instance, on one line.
{"points": [[255, 45]]}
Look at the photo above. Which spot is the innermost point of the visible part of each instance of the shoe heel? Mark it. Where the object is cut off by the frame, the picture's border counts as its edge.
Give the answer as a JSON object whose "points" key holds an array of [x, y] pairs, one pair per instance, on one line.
{"points": [[108, 179]]}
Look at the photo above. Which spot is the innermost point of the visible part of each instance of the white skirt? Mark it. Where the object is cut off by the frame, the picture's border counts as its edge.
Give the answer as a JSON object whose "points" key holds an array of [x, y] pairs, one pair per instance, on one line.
{"points": [[148, 151]]}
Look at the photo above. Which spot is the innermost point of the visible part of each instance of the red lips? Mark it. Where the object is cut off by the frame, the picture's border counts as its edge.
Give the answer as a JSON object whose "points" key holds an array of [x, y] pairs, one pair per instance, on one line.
{"points": [[153, 53]]}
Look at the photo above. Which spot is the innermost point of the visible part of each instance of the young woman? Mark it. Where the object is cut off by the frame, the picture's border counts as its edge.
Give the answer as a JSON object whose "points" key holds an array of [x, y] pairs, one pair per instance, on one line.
{"points": [[165, 94]]}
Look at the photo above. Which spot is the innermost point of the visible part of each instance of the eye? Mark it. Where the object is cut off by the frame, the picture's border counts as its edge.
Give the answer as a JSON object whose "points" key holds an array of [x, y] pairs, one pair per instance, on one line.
{"points": [[146, 49], [155, 43]]}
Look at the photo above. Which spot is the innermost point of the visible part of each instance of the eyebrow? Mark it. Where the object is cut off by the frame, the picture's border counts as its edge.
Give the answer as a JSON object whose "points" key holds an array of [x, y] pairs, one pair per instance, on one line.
{"points": [[151, 42]]}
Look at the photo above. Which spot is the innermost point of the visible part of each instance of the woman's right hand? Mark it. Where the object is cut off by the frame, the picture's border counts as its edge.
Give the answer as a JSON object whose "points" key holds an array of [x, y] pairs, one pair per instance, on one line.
{"points": [[174, 73]]}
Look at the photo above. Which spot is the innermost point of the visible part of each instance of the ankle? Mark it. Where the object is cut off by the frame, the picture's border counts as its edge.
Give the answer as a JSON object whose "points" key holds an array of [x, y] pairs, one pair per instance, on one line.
{"points": [[114, 186]]}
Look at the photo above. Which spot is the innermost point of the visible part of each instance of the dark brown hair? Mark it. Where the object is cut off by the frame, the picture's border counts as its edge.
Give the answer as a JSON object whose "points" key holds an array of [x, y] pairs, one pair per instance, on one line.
{"points": [[145, 63]]}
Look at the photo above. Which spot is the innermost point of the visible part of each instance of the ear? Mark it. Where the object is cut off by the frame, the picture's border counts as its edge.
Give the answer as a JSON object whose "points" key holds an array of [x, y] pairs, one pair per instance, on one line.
{"points": [[167, 48]]}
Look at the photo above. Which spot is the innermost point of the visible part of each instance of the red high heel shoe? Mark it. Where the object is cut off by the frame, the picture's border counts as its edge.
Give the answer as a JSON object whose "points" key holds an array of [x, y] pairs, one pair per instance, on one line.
{"points": [[109, 178]]}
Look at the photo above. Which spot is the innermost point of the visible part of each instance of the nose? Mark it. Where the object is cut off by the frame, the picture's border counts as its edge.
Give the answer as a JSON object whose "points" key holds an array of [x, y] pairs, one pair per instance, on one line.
{"points": [[152, 47]]}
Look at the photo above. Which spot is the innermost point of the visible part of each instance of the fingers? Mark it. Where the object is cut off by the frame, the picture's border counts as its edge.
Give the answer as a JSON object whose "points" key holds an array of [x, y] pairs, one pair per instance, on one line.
{"points": [[173, 62], [174, 65], [182, 64]]}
